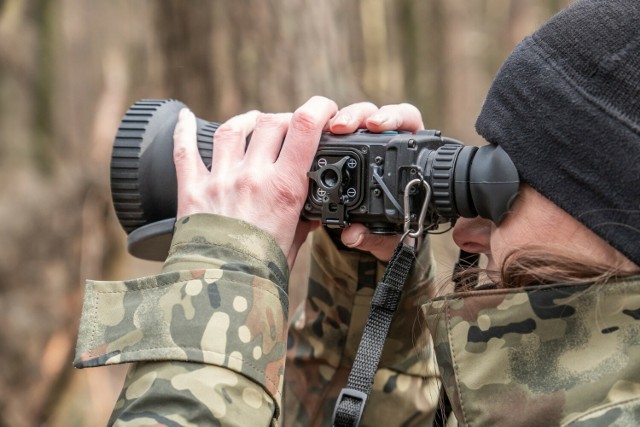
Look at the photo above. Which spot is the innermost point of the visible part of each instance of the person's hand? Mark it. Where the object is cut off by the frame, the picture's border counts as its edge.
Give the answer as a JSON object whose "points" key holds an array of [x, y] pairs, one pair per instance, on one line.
{"points": [[263, 183], [404, 117]]}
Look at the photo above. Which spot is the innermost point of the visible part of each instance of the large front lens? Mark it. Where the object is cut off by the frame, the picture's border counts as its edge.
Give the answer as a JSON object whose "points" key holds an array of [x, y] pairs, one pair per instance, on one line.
{"points": [[143, 177]]}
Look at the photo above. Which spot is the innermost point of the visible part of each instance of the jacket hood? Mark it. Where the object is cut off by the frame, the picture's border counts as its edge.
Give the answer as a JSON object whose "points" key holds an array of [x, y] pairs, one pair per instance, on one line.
{"points": [[547, 355]]}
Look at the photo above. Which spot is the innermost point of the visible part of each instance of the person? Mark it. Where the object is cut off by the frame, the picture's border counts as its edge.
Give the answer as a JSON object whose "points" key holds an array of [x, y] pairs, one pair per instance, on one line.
{"points": [[552, 339]]}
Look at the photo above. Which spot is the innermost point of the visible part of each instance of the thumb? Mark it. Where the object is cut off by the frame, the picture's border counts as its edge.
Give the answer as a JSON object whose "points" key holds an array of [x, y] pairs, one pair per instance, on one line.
{"points": [[360, 237]]}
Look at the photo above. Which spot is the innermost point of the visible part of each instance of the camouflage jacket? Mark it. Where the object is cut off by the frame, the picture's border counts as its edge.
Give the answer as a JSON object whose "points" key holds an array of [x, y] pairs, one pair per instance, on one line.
{"points": [[325, 333], [209, 335], [541, 356]]}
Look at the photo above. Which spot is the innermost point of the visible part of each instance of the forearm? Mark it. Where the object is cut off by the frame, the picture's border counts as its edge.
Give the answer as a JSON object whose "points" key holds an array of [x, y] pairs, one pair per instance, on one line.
{"points": [[185, 393], [219, 309]]}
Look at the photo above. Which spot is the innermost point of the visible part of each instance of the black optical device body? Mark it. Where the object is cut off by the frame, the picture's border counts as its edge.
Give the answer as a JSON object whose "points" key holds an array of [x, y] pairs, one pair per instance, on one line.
{"points": [[356, 178]]}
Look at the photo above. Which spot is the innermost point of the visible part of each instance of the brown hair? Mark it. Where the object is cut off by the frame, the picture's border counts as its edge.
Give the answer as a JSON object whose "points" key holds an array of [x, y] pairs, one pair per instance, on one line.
{"points": [[535, 265]]}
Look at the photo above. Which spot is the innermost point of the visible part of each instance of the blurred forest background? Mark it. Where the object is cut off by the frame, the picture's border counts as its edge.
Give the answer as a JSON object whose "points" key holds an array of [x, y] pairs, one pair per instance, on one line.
{"points": [[69, 69]]}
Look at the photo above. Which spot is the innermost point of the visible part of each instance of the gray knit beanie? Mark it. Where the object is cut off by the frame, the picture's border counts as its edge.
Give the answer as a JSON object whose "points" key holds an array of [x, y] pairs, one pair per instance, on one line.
{"points": [[565, 106]]}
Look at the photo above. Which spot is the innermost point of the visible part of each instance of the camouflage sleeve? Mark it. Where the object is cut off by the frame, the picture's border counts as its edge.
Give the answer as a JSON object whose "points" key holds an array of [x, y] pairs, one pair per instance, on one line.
{"points": [[208, 334], [326, 330]]}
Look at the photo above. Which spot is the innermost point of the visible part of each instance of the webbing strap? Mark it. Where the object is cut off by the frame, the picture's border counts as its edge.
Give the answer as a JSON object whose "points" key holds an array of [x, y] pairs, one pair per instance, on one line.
{"points": [[353, 398]]}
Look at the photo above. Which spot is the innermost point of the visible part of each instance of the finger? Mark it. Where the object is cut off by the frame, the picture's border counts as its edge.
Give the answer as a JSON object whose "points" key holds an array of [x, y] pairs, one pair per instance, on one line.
{"points": [[351, 118], [189, 165], [301, 143], [267, 138], [230, 141], [360, 237], [396, 117]]}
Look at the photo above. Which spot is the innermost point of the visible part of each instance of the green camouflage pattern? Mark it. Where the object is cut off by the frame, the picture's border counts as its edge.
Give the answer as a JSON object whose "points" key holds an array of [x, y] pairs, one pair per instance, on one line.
{"points": [[326, 330], [209, 337], [190, 394], [544, 356], [209, 334], [220, 304]]}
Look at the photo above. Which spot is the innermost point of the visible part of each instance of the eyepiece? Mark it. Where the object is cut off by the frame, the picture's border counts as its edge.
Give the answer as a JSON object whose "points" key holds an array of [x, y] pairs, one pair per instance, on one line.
{"points": [[493, 182]]}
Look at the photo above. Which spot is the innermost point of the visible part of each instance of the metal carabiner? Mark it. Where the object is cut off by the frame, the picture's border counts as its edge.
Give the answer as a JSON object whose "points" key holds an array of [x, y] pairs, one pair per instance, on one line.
{"points": [[407, 211]]}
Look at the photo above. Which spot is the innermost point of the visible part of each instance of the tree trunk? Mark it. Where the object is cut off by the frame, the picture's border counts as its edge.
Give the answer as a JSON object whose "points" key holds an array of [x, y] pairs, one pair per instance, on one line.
{"points": [[69, 70]]}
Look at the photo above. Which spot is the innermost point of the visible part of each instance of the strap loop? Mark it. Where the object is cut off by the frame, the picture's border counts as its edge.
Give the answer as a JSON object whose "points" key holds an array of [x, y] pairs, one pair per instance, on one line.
{"points": [[353, 402]]}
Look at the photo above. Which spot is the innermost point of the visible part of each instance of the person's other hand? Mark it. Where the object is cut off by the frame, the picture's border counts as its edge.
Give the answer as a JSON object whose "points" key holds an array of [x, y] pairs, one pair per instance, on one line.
{"points": [[364, 115], [263, 183]]}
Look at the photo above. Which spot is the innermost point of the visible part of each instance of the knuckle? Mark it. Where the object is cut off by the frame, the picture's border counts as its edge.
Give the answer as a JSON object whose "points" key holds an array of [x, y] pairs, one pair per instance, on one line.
{"points": [[190, 200], [271, 120], [304, 121], [180, 153], [247, 184], [228, 131], [291, 197]]}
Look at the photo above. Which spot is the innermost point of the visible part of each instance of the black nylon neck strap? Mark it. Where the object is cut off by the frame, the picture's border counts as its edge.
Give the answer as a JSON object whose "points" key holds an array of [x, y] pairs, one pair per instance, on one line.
{"points": [[353, 398]]}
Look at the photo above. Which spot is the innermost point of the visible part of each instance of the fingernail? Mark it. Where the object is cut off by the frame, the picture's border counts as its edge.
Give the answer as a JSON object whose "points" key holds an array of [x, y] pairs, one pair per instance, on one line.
{"points": [[356, 242], [342, 120]]}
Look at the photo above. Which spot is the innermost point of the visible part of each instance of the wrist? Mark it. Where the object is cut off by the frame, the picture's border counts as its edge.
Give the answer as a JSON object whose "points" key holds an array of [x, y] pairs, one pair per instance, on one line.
{"points": [[208, 241]]}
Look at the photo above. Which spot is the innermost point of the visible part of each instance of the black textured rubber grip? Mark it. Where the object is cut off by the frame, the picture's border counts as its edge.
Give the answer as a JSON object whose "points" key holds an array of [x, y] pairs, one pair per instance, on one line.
{"points": [[442, 179], [146, 121]]}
